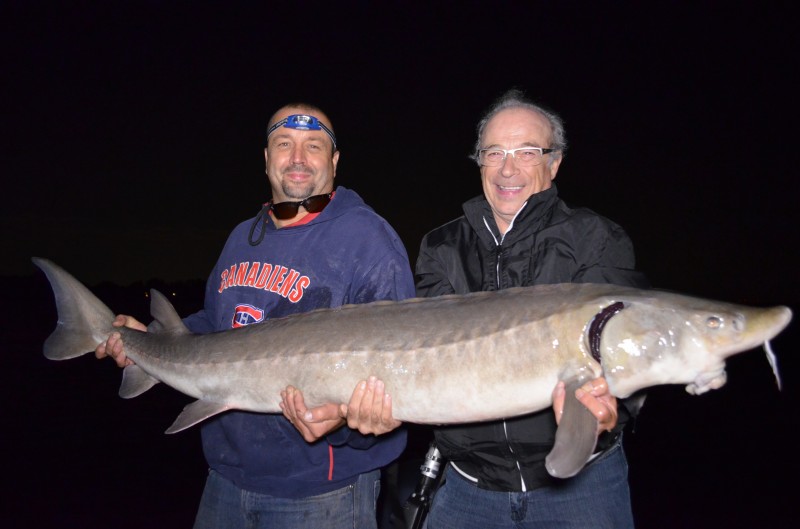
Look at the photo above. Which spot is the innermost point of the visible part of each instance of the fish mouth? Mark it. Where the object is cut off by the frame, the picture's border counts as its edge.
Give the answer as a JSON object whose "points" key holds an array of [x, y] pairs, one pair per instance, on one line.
{"points": [[707, 381]]}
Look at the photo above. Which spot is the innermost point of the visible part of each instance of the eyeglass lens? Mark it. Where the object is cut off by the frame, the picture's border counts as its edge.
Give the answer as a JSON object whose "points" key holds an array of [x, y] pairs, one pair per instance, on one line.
{"points": [[522, 156]]}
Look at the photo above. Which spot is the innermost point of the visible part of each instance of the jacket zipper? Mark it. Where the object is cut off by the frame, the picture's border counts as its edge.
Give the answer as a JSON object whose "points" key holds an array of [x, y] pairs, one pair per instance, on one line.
{"points": [[505, 426], [499, 253]]}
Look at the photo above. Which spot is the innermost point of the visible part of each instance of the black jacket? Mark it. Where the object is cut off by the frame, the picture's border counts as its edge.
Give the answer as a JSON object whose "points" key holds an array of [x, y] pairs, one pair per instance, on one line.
{"points": [[548, 242]]}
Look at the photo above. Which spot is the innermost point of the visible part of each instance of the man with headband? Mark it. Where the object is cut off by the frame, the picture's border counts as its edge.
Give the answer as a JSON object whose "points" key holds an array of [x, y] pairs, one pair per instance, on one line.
{"points": [[310, 247]]}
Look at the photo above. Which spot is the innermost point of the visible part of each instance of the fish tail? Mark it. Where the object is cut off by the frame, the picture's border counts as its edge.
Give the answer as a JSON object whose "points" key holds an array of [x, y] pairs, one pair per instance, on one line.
{"points": [[83, 320]]}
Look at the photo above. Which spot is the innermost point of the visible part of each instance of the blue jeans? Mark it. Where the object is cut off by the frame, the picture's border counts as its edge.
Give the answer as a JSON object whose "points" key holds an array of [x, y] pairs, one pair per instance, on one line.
{"points": [[598, 497], [226, 506]]}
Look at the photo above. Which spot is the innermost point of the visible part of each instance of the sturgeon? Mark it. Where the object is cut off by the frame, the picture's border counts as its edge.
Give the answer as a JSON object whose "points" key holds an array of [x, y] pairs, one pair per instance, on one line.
{"points": [[445, 360]]}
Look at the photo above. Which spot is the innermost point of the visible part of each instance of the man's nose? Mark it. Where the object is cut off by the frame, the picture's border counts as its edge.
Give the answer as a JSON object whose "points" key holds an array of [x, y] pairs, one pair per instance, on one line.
{"points": [[509, 166], [298, 154]]}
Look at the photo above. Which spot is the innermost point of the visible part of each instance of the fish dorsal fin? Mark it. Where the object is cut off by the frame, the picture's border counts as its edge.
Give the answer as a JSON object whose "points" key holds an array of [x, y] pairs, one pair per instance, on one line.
{"points": [[165, 317], [576, 436], [135, 382], [196, 412]]}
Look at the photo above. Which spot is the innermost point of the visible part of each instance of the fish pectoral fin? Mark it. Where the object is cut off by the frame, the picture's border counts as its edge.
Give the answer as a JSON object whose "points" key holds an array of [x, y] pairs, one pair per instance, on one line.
{"points": [[196, 412], [576, 436], [135, 382]]}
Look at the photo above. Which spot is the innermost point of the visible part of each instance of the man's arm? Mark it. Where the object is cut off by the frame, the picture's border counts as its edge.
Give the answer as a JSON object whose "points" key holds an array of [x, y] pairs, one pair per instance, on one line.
{"points": [[610, 259], [430, 274]]}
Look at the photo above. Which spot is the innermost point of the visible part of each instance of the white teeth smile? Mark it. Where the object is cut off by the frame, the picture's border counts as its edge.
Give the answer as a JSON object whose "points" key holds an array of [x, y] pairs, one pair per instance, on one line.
{"points": [[508, 188]]}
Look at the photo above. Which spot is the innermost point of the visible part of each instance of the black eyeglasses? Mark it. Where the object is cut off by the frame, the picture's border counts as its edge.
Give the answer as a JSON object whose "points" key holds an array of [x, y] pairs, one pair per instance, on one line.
{"points": [[313, 204]]}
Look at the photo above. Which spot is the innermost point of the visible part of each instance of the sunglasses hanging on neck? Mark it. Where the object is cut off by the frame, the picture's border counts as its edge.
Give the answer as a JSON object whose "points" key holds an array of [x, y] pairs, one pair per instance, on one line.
{"points": [[313, 204]]}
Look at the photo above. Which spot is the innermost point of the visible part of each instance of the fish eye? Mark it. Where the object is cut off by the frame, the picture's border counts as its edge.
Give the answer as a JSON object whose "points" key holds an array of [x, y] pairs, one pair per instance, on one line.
{"points": [[713, 322]]}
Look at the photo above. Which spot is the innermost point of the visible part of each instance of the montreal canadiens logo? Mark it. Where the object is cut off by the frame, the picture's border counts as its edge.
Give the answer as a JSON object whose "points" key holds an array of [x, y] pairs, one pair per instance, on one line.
{"points": [[247, 315]]}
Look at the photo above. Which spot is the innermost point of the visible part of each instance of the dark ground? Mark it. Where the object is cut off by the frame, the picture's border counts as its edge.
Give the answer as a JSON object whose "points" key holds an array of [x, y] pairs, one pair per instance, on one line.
{"points": [[78, 456]]}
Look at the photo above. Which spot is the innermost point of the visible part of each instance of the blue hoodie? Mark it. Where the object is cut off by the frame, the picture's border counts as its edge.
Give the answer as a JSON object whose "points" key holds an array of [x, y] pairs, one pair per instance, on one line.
{"points": [[347, 254]]}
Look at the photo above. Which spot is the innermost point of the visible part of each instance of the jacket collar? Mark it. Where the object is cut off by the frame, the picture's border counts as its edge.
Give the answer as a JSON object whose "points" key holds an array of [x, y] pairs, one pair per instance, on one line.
{"points": [[532, 217]]}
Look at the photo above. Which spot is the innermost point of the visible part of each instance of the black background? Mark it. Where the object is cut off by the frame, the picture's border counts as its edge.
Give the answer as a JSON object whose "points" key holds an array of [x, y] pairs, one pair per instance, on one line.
{"points": [[132, 144]]}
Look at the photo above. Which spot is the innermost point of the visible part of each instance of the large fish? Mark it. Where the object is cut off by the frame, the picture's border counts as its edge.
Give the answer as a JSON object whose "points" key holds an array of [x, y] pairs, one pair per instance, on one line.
{"points": [[450, 359]]}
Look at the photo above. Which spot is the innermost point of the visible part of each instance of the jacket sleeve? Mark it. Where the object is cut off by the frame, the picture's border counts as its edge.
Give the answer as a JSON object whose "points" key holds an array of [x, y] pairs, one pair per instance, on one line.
{"points": [[203, 321], [198, 323], [389, 278], [430, 273], [608, 257]]}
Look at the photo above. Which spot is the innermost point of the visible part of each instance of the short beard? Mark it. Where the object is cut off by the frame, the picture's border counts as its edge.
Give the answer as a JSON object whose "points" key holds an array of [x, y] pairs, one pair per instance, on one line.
{"points": [[291, 190]]}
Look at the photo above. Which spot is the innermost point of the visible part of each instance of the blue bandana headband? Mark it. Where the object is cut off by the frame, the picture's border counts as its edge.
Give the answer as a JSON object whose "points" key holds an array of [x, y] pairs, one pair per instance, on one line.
{"points": [[302, 122]]}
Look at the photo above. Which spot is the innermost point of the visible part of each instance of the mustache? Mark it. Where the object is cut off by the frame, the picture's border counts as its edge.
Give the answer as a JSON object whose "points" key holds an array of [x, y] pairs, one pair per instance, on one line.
{"points": [[298, 168]]}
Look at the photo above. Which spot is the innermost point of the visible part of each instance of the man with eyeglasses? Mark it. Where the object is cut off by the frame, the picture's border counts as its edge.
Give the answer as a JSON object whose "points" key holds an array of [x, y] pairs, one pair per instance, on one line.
{"points": [[520, 233], [310, 247]]}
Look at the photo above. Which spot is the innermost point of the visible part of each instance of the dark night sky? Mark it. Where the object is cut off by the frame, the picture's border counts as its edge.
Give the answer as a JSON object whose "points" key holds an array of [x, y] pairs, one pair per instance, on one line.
{"points": [[133, 132], [131, 144]]}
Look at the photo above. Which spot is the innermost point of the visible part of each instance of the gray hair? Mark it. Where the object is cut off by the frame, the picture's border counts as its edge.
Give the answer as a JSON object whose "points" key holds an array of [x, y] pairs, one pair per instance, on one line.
{"points": [[515, 98]]}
